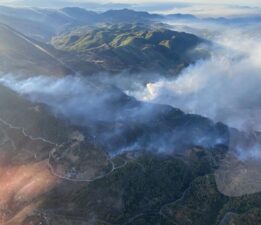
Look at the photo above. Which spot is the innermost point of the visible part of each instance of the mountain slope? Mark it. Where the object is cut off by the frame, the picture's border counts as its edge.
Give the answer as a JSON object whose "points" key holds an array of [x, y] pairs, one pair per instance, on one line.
{"points": [[20, 54], [30, 140], [43, 23], [133, 47], [53, 171]]}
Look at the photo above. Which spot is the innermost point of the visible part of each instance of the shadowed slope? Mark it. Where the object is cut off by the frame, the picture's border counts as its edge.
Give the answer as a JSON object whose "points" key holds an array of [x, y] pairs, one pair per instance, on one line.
{"points": [[20, 54]]}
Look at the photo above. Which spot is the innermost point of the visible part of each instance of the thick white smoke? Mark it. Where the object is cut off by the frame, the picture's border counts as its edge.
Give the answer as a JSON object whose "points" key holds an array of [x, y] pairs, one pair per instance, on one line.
{"points": [[225, 87]]}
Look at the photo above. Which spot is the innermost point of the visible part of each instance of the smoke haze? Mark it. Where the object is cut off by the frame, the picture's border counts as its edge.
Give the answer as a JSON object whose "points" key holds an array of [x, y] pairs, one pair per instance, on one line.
{"points": [[115, 120]]}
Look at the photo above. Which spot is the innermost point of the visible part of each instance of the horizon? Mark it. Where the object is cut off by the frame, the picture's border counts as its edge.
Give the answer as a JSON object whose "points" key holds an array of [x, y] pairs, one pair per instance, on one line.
{"points": [[251, 3], [199, 8]]}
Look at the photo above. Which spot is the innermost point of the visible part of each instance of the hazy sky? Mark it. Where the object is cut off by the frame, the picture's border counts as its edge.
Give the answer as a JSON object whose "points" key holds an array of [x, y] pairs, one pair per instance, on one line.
{"points": [[241, 2], [205, 9], [237, 2]]}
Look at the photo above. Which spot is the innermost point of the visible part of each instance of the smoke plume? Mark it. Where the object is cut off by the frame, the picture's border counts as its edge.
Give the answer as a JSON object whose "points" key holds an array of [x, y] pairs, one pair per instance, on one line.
{"points": [[224, 87]]}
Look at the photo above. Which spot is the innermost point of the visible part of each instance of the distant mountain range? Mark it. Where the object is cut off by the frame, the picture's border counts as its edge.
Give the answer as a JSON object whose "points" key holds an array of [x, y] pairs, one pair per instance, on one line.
{"points": [[89, 42], [105, 48], [42, 24]]}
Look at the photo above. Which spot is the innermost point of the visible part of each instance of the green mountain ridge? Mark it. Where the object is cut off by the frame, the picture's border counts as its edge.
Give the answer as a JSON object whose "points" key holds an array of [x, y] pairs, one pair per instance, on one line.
{"points": [[134, 47]]}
